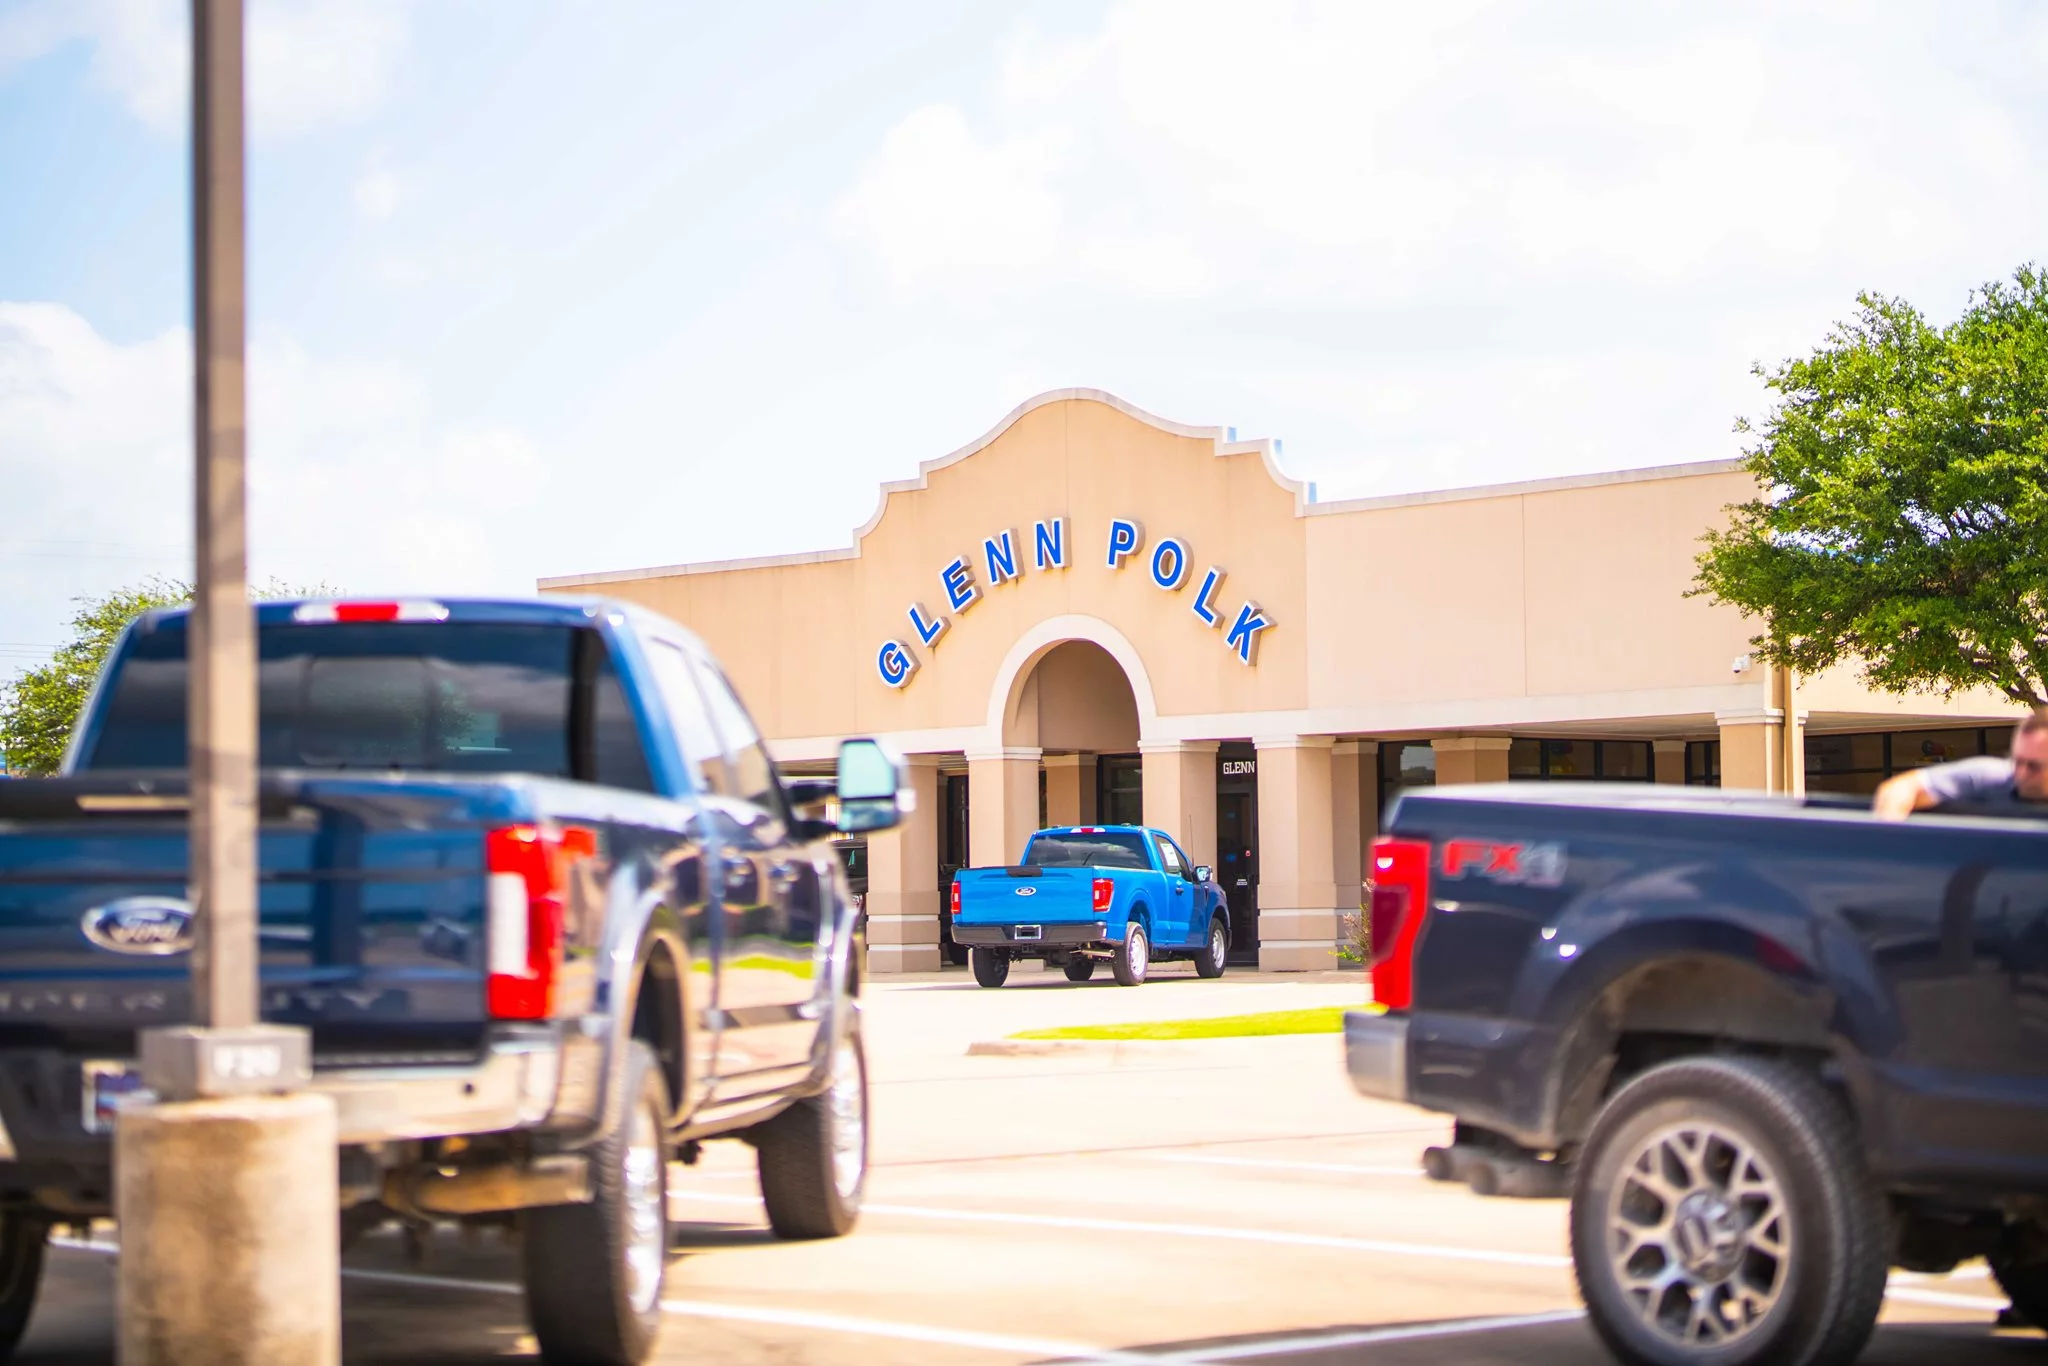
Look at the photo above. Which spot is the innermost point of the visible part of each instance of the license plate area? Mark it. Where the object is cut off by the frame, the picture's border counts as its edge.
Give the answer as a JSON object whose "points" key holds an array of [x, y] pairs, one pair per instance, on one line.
{"points": [[1027, 933], [104, 1087]]}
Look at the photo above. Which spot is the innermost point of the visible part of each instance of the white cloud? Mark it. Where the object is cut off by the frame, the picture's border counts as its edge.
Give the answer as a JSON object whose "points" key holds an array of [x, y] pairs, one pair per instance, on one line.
{"points": [[309, 63], [1312, 150], [1471, 240], [352, 480], [377, 194]]}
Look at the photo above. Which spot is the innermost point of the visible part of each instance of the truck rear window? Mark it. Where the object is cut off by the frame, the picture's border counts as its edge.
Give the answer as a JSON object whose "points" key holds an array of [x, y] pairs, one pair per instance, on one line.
{"points": [[450, 697], [1106, 850]]}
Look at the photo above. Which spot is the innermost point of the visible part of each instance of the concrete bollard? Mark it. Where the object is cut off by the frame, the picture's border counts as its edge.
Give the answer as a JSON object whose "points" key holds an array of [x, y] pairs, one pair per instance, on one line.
{"points": [[230, 1246]]}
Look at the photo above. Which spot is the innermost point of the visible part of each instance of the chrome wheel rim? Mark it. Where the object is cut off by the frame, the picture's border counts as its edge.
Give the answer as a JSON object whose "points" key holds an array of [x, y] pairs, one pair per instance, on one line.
{"points": [[1140, 952], [1700, 1236], [848, 1102], [645, 1191], [1217, 946]]}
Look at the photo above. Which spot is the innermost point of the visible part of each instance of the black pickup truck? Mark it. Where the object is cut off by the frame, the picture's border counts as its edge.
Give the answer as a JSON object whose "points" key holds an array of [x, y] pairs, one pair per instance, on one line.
{"points": [[530, 879], [1771, 1048]]}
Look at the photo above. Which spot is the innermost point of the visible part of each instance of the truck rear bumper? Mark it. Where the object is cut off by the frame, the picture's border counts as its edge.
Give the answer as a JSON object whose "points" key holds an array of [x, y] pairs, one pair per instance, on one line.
{"points": [[1027, 937], [520, 1082], [1376, 1054]]}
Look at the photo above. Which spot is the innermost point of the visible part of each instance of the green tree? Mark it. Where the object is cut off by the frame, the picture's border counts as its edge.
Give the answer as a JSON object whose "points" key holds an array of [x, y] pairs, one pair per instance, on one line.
{"points": [[38, 708], [1902, 516]]}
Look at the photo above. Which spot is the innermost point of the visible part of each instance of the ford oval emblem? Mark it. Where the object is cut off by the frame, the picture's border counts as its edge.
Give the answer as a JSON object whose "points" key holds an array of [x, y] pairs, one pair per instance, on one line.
{"points": [[149, 925], [1027, 891]]}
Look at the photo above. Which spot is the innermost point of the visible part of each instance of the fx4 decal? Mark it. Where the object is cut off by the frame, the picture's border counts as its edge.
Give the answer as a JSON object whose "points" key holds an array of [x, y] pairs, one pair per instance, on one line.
{"points": [[1520, 865]]}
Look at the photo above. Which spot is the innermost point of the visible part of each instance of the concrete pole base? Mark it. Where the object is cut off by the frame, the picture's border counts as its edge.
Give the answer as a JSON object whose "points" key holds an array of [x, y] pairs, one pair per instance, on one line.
{"points": [[230, 1245]]}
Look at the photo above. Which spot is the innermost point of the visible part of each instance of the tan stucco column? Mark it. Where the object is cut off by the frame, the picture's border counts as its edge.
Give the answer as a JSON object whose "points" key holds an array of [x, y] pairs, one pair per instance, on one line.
{"points": [[1180, 793], [1753, 749], [1069, 789], [1298, 901], [1351, 812], [1669, 759], [1471, 758], [1002, 805], [904, 899]]}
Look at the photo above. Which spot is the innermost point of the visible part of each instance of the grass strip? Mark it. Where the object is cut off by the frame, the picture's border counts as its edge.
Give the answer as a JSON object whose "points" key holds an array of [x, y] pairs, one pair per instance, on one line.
{"points": [[1315, 1020]]}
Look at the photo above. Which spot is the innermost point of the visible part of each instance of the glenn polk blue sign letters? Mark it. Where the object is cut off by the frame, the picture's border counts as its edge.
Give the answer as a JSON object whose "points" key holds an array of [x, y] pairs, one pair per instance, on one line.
{"points": [[1005, 555]]}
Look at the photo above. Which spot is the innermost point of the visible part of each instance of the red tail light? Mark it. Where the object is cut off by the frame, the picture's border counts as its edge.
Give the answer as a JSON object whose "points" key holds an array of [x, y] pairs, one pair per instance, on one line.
{"points": [[370, 611], [956, 898], [528, 882], [1105, 892], [1400, 900]]}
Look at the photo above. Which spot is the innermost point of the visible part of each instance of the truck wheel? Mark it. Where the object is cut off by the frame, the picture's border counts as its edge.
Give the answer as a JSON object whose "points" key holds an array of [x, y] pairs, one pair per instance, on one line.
{"points": [[22, 1239], [1133, 956], [594, 1272], [813, 1157], [1079, 969], [991, 969], [1209, 962], [1722, 1214]]}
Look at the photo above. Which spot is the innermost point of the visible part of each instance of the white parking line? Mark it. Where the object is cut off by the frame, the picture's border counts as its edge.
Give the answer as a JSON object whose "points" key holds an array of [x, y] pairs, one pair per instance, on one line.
{"points": [[1944, 1299], [1547, 1261], [1343, 1168], [1369, 1337]]}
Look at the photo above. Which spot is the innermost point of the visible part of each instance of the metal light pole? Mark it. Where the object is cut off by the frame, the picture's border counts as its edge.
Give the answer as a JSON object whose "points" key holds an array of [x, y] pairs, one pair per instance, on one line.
{"points": [[226, 1182]]}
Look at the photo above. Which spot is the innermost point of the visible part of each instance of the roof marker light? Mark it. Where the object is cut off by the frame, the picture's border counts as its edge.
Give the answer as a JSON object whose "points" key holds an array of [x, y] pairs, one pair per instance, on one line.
{"points": [[312, 613]]}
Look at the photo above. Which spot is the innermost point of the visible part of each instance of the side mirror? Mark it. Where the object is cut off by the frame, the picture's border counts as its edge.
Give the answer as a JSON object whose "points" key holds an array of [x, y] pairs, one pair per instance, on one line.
{"points": [[1204, 873], [872, 792]]}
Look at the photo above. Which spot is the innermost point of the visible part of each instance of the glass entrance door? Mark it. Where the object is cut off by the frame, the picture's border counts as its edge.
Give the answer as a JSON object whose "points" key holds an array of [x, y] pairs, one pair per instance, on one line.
{"points": [[1237, 870]]}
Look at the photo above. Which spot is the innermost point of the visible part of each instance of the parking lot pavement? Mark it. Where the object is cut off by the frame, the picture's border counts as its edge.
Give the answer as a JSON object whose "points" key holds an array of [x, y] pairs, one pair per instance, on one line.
{"points": [[1229, 1201]]}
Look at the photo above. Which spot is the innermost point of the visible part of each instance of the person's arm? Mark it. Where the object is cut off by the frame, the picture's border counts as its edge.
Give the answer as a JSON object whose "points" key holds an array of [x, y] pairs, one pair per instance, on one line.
{"points": [[1901, 795]]}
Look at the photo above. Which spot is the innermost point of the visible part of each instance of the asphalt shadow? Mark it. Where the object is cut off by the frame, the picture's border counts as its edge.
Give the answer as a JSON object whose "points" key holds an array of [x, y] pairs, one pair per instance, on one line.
{"points": [[1569, 1343]]}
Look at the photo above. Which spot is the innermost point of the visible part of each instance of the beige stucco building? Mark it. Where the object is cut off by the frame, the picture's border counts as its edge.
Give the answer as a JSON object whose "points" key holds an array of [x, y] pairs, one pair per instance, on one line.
{"points": [[1095, 614]]}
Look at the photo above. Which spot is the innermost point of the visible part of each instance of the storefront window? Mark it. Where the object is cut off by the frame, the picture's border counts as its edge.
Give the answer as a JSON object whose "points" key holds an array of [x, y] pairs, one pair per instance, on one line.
{"points": [[1120, 789], [1703, 763], [1582, 760], [1858, 763]]}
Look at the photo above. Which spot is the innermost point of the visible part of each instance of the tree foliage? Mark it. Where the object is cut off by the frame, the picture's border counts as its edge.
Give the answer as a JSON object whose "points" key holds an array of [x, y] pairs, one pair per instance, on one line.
{"points": [[38, 708], [1902, 518]]}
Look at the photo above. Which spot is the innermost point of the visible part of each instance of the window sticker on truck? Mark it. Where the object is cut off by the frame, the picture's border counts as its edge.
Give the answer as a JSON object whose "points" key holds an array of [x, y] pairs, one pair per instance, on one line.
{"points": [[1521, 865]]}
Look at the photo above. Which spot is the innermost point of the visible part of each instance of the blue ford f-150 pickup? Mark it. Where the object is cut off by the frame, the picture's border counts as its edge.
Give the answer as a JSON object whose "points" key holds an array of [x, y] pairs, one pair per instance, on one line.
{"points": [[530, 879], [1771, 1048], [1083, 893]]}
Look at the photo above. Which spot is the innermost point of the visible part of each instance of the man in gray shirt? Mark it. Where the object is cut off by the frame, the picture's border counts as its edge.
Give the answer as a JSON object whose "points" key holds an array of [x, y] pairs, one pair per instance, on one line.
{"points": [[2014, 783]]}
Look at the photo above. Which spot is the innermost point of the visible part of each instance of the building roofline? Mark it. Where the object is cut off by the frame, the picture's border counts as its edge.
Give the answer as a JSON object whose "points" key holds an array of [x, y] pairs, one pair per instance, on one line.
{"points": [[1225, 443], [1643, 474]]}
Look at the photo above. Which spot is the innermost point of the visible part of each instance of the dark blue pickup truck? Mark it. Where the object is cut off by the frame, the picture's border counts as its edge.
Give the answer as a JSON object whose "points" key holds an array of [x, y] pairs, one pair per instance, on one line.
{"points": [[530, 879], [1771, 1048]]}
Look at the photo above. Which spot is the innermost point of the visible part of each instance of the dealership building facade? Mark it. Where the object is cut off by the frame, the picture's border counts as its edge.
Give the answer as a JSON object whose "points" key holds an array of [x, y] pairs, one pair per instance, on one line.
{"points": [[1093, 614]]}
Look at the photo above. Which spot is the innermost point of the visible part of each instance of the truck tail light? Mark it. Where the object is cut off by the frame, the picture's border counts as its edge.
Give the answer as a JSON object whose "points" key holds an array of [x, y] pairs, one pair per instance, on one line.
{"points": [[1400, 901], [328, 612], [956, 898], [527, 880], [1105, 892]]}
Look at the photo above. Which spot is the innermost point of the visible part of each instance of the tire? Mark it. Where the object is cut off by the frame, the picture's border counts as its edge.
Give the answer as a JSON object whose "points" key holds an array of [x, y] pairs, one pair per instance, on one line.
{"points": [[2025, 1283], [1801, 1254], [22, 1240], [1209, 962], [991, 969], [1079, 969], [594, 1273], [1133, 957], [813, 1157]]}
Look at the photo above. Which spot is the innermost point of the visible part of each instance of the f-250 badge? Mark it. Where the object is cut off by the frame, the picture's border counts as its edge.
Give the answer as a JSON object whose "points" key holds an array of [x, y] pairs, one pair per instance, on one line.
{"points": [[1519, 865]]}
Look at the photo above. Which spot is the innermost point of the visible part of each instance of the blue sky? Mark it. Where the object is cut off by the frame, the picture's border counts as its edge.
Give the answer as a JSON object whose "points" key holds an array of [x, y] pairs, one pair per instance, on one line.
{"points": [[541, 289]]}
